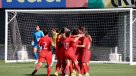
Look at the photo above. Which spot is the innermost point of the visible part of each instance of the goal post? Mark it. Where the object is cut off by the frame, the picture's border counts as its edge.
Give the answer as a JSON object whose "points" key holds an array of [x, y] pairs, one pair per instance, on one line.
{"points": [[111, 31], [133, 53]]}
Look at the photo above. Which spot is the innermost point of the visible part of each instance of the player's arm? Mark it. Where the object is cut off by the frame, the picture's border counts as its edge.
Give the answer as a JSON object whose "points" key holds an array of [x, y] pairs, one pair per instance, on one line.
{"points": [[82, 46], [52, 44], [42, 34], [76, 38], [90, 38], [84, 43], [32, 42], [39, 44]]}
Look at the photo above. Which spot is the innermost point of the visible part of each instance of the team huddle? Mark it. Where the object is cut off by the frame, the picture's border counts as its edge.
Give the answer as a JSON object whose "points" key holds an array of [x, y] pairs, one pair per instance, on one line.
{"points": [[72, 50]]}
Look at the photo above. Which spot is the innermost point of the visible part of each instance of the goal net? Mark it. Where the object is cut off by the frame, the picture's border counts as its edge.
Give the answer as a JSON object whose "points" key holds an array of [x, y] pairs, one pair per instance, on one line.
{"points": [[109, 28], [133, 62]]}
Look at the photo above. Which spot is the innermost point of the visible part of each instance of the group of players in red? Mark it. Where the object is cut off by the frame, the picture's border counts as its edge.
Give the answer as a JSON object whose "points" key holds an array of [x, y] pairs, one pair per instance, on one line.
{"points": [[72, 52]]}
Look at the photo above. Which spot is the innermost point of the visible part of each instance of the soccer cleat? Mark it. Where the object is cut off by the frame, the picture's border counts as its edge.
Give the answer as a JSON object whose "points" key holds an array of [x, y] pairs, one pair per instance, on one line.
{"points": [[36, 61], [33, 73], [87, 74], [56, 74], [79, 74], [74, 72]]}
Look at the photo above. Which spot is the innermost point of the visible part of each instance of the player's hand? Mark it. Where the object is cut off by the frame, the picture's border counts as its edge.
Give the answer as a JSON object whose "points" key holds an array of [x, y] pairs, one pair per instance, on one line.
{"points": [[32, 43]]}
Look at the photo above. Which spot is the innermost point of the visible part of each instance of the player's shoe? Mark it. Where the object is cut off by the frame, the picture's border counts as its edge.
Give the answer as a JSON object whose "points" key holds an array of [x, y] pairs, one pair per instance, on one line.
{"points": [[87, 74], [74, 72], [33, 73], [36, 62], [56, 74], [79, 74]]}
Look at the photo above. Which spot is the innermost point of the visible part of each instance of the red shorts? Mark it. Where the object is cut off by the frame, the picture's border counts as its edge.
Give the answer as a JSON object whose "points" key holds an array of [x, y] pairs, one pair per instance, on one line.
{"points": [[69, 54], [45, 57], [86, 56]]}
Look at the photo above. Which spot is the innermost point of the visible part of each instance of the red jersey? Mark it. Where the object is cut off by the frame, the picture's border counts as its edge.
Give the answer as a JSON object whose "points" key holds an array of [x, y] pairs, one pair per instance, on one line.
{"points": [[74, 44], [67, 43], [45, 54], [86, 42], [86, 54], [68, 49], [45, 42], [59, 47]]}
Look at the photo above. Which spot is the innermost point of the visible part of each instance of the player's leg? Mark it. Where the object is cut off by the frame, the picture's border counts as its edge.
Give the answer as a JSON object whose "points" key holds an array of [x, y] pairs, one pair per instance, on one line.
{"points": [[77, 68], [48, 61], [63, 68], [85, 60], [67, 67], [88, 67], [48, 70], [37, 68], [35, 48], [53, 56], [84, 66], [58, 66], [88, 64], [76, 65], [35, 53], [71, 68], [53, 59]]}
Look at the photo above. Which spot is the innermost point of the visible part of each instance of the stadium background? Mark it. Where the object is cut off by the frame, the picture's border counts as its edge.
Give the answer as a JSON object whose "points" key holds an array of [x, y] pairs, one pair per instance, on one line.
{"points": [[2, 33], [69, 4], [100, 37]]}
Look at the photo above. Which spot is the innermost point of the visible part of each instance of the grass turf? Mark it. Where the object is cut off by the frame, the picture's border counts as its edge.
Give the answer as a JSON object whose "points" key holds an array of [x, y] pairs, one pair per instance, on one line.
{"points": [[25, 69]]}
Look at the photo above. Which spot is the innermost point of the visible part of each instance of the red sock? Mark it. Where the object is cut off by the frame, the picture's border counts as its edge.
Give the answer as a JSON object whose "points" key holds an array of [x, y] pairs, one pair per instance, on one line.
{"points": [[66, 69], [38, 66], [49, 70], [77, 68], [85, 68], [58, 65]]}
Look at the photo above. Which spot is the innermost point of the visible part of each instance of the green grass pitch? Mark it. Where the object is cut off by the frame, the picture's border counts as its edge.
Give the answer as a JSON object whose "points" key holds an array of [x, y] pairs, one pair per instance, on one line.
{"points": [[25, 69]]}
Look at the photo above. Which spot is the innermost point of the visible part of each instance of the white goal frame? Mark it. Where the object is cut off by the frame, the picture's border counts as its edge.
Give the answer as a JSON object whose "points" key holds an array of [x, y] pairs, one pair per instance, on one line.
{"points": [[131, 60], [67, 10]]}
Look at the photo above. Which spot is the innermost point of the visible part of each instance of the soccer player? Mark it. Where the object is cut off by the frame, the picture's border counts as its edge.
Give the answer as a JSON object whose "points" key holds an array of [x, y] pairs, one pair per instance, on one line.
{"points": [[86, 53], [79, 51], [54, 37], [60, 52], [45, 54], [36, 37], [69, 53], [74, 44], [58, 48]]}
